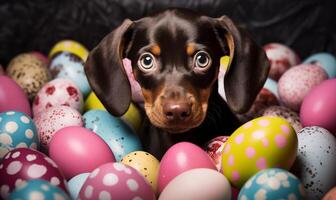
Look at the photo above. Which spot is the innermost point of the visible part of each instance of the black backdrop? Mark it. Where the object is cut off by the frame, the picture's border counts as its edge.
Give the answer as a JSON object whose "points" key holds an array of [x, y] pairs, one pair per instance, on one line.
{"points": [[307, 26]]}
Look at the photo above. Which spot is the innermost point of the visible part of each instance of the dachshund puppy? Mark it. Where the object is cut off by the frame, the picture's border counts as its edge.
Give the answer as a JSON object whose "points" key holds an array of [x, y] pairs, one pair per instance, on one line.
{"points": [[175, 57]]}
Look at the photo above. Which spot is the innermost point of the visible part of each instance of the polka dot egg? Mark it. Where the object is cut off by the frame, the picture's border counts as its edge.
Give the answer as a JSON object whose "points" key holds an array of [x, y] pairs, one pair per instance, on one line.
{"points": [[116, 181], [38, 189], [23, 164], [272, 184], [17, 130], [261, 143]]}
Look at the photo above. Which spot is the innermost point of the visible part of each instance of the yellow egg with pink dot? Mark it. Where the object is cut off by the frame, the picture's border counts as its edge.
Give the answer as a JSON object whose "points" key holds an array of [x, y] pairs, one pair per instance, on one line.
{"points": [[264, 142]]}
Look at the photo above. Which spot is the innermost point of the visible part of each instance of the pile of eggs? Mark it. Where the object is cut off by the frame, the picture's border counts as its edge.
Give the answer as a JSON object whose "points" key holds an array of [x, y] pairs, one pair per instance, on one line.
{"points": [[57, 141]]}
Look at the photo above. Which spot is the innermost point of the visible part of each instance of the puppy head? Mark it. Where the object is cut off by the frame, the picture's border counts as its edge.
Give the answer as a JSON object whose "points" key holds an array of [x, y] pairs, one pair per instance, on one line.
{"points": [[175, 57]]}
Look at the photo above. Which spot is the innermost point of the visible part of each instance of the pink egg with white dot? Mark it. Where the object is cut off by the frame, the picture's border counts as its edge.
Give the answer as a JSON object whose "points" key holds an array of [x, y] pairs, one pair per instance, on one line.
{"points": [[116, 181], [58, 92], [23, 164]]}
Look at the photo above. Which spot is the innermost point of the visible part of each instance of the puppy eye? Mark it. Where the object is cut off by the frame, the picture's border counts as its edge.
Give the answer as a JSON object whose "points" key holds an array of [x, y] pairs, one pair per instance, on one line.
{"points": [[202, 60], [146, 62]]}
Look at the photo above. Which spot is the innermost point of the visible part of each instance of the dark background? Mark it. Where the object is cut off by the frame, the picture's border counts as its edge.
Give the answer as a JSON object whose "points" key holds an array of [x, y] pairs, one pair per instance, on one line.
{"points": [[307, 26]]}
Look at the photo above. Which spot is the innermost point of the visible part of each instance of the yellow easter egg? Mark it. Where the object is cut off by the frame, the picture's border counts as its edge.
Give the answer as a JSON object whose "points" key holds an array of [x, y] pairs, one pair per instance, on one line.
{"points": [[70, 46], [146, 164], [261, 143], [132, 117]]}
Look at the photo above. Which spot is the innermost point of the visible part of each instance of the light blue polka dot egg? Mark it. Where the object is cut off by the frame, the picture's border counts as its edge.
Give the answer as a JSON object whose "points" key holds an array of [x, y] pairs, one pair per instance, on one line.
{"points": [[118, 135], [325, 60], [68, 65], [38, 189], [17, 130], [272, 184]]}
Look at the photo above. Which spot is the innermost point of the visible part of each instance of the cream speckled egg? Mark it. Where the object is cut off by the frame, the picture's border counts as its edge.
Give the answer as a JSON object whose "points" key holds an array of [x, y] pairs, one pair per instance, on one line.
{"points": [[29, 72]]}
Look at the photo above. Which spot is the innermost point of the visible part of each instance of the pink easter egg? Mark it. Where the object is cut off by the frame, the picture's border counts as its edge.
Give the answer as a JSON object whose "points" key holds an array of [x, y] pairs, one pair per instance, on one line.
{"points": [[214, 149], [58, 92], [295, 84], [24, 164], [116, 181], [40, 56], [12, 97], [54, 119], [281, 58], [179, 158], [78, 150], [319, 106]]}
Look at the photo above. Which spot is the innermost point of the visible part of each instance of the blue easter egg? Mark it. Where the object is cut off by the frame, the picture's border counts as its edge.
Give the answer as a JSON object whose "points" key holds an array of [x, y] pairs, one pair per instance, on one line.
{"points": [[17, 130], [67, 65], [270, 184], [118, 135], [38, 189], [324, 60], [75, 184], [272, 86]]}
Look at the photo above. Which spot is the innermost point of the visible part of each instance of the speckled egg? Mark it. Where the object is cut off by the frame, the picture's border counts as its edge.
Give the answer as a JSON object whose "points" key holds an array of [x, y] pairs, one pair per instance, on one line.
{"points": [[38, 189], [71, 46], [54, 119], [295, 84], [316, 161], [70, 66], [29, 72], [214, 148], [271, 184], [116, 181], [58, 92], [281, 58], [23, 164], [286, 113], [146, 164], [261, 143], [17, 130], [119, 136]]}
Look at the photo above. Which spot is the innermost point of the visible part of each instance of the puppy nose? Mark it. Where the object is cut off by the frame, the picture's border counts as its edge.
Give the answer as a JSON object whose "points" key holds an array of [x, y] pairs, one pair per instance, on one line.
{"points": [[177, 111]]}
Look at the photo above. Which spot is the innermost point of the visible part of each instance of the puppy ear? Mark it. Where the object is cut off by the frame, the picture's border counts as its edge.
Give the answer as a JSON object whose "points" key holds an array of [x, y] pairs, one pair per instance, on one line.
{"points": [[248, 66], [105, 71]]}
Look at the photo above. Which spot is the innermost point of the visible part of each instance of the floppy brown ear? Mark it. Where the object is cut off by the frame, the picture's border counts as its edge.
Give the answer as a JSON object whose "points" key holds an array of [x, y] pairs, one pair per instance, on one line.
{"points": [[105, 72], [248, 67]]}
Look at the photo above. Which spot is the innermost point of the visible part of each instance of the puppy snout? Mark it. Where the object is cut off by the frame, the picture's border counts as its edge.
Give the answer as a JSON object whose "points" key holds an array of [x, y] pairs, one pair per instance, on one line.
{"points": [[177, 111]]}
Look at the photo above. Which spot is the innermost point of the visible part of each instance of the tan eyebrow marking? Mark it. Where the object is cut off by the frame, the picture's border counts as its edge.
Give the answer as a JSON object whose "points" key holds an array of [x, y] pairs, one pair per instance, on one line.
{"points": [[191, 48], [155, 49]]}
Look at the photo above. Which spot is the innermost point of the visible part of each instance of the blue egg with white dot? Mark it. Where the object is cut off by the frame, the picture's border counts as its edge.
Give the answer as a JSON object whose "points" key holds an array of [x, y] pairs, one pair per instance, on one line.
{"points": [[17, 130], [70, 66], [325, 60], [121, 139], [272, 86], [38, 189], [76, 183], [271, 184]]}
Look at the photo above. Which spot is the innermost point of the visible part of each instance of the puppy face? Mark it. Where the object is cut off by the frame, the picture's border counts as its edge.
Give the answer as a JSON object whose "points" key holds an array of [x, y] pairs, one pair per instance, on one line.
{"points": [[175, 59]]}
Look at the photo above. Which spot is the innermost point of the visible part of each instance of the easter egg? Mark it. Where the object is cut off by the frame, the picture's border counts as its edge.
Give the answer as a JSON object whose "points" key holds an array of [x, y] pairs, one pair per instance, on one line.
{"points": [[261, 143], [116, 181], [70, 46], [132, 117], [319, 106], [272, 86], [38, 189], [286, 113], [331, 195], [54, 119], [281, 58], [272, 184], [214, 149], [12, 97], [198, 184], [76, 183], [135, 86], [17, 130], [58, 92], [295, 84], [325, 60], [78, 150], [119, 137], [23, 164], [40, 56], [70, 66], [29, 72], [316, 161], [179, 158], [146, 164]]}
